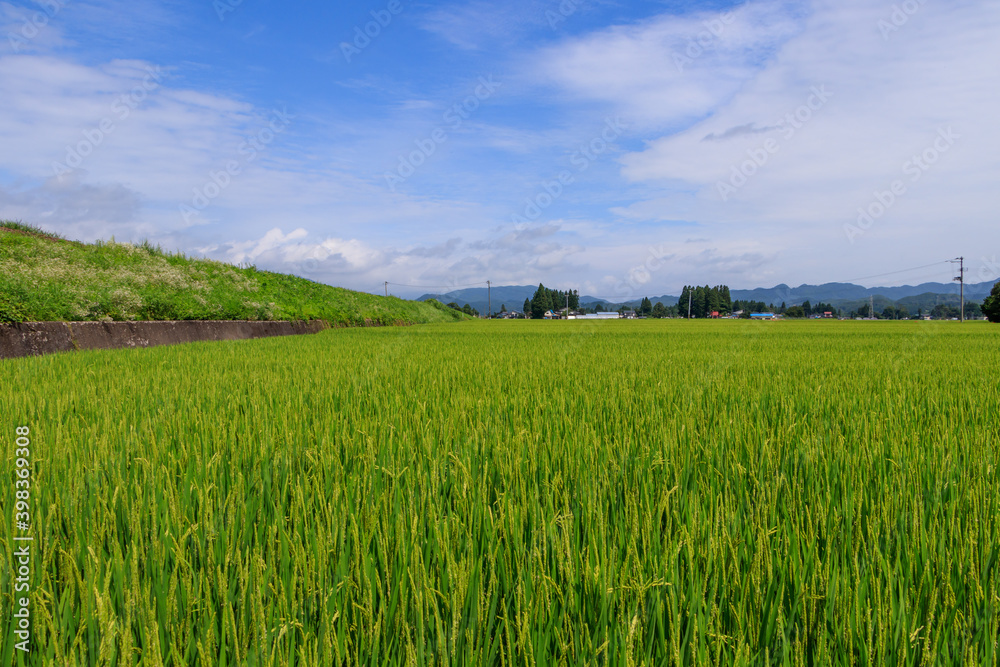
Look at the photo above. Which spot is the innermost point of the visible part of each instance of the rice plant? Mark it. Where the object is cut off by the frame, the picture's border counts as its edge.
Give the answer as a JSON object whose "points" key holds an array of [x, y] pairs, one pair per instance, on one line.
{"points": [[516, 493]]}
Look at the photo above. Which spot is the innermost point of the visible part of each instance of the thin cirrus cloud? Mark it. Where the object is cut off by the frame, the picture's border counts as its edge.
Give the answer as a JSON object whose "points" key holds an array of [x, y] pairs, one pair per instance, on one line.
{"points": [[669, 69], [478, 24]]}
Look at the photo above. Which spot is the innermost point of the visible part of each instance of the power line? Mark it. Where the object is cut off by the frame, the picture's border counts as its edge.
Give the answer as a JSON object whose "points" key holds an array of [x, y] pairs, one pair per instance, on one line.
{"points": [[893, 273], [624, 298], [486, 282], [852, 280], [608, 297]]}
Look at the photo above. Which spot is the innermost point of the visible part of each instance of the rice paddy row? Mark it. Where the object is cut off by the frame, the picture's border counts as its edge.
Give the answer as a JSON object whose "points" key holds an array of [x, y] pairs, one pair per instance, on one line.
{"points": [[516, 493]]}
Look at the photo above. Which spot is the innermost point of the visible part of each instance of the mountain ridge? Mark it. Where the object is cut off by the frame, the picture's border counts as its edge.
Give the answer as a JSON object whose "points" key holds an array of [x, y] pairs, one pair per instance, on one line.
{"points": [[840, 295]]}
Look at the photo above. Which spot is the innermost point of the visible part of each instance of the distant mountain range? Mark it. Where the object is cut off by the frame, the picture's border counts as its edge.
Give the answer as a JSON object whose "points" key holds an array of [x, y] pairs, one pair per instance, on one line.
{"points": [[845, 296]]}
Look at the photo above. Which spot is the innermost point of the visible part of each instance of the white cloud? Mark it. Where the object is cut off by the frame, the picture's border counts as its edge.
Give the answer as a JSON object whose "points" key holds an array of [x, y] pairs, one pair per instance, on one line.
{"points": [[698, 91], [163, 145], [888, 100], [892, 94], [480, 24], [670, 69], [77, 209]]}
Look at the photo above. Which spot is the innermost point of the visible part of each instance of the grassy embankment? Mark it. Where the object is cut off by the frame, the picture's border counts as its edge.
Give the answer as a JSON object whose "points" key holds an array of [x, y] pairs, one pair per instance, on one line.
{"points": [[47, 278]]}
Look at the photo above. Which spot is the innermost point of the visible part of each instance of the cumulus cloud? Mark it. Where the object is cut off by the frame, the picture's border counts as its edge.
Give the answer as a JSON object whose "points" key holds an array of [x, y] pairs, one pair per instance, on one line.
{"points": [[754, 136], [791, 146]]}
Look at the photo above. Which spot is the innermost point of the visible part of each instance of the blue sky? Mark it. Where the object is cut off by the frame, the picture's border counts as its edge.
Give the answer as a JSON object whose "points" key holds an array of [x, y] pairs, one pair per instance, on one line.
{"points": [[619, 148]]}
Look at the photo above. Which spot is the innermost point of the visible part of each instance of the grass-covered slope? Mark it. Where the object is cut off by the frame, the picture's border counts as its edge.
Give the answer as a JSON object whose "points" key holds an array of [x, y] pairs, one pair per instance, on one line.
{"points": [[47, 278]]}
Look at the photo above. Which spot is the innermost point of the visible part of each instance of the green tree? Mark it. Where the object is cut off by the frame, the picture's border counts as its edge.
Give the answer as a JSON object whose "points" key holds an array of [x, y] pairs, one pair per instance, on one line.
{"points": [[821, 308], [682, 304], [556, 299], [795, 311], [943, 311], [894, 313], [807, 307], [526, 308], [659, 310], [714, 304], [540, 302], [991, 306], [703, 295], [646, 308], [705, 300]]}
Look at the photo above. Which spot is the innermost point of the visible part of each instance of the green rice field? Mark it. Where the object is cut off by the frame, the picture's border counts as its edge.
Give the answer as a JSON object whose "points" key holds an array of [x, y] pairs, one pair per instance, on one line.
{"points": [[515, 493]]}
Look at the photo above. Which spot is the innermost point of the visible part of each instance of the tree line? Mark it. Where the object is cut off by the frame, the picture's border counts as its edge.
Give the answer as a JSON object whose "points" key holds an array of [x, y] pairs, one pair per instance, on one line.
{"points": [[706, 300], [991, 305], [467, 309], [701, 302], [545, 299]]}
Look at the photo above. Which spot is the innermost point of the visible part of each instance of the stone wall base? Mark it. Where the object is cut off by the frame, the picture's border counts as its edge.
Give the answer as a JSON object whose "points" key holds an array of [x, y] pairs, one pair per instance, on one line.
{"points": [[38, 338]]}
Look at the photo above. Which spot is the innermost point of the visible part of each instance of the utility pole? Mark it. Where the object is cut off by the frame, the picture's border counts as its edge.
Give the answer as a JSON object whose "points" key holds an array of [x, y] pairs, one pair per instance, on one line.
{"points": [[871, 307], [489, 299], [387, 288], [689, 304], [961, 281]]}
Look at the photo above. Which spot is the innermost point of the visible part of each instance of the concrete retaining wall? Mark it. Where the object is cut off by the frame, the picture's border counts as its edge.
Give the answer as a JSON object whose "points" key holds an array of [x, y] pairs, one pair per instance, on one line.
{"points": [[37, 338]]}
